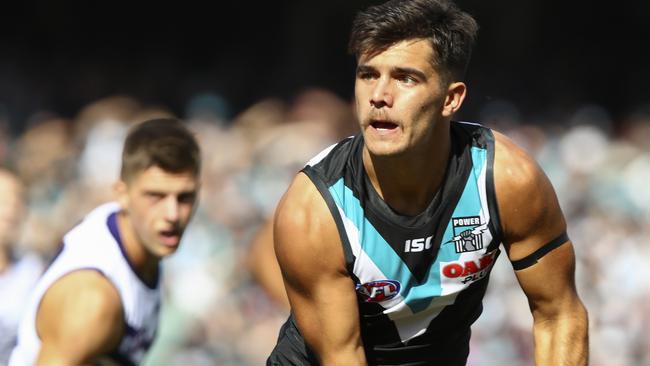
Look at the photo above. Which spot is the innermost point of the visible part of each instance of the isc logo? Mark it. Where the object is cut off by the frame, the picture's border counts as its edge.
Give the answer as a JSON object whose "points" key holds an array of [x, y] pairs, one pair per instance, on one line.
{"points": [[417, 245], [378, 290]]}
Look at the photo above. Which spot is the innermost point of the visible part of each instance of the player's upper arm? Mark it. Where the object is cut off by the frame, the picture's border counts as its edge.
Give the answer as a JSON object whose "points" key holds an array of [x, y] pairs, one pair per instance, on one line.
{"points": [[532, 223], [321, 293], [80, 318], [305, 236], [529, 211]]}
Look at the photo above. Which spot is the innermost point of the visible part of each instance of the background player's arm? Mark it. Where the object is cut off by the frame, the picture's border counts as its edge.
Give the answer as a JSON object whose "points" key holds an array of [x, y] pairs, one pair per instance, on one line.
{"points": [[321, 293], [530, 218], [79, 320]]}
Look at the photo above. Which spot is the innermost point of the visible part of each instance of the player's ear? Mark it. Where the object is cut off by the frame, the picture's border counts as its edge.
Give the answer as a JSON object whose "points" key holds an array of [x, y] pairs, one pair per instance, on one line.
{"points": [[120, 190], [455, 96]]}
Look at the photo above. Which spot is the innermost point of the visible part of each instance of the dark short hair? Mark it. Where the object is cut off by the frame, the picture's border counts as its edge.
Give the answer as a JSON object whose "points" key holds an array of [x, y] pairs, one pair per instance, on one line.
{"points": [[165, 143], [451, 31]]}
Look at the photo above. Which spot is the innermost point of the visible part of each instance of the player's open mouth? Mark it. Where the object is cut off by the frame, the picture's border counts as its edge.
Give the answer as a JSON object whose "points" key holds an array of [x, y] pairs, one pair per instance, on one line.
{"points": [[170, 237], [383, 125]]}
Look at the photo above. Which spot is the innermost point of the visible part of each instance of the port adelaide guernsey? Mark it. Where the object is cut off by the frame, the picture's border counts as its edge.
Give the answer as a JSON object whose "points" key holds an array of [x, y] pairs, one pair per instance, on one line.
{"points": [[419, 279]]}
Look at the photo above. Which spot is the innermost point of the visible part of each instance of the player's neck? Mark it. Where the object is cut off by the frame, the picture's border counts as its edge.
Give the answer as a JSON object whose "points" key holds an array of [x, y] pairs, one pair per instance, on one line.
{"points": [[409, 182], [144, 263]]}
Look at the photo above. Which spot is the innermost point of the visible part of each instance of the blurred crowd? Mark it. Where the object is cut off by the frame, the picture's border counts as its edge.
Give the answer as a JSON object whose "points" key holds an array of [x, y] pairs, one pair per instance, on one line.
{"points": [[215, 312], [600, 169]]}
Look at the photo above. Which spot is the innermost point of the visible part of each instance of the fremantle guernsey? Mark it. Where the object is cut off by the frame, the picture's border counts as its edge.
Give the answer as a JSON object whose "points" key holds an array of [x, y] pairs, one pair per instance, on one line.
{"points": [[419, 280], [95, 244]]}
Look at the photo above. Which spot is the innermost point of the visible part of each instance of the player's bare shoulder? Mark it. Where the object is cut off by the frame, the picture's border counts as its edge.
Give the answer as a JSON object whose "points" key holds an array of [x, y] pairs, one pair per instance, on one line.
{"points": [[82, 302], [514, 169], [305, 234], [525, 196]]}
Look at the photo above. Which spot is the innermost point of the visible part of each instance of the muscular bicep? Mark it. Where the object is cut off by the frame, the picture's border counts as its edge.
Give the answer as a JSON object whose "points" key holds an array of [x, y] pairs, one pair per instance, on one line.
{"points": [[321, 293], [529, 211], [80, 318], [534, 229]]}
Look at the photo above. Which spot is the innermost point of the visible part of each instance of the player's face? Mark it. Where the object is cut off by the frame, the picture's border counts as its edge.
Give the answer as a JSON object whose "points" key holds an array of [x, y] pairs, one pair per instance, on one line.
{"points": [[159, 205], [399, 97]]}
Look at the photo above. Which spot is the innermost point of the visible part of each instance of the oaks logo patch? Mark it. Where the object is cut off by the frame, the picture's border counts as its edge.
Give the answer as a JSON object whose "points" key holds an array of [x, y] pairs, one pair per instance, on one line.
{"points": [[470, 270], [468, 233]]}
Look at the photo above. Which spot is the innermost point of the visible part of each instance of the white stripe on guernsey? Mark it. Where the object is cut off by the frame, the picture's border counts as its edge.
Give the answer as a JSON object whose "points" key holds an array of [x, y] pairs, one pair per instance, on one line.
{"points": [[470, 123], [364, 268], [321, 155]]}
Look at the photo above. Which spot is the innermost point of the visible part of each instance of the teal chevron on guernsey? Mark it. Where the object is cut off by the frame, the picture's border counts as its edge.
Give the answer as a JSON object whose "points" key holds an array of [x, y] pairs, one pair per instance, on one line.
{"points": [[417, 296]]}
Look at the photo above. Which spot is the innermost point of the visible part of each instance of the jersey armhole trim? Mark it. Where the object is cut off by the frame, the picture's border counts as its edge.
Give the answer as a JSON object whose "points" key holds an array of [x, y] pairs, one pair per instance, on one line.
{"points": [[532, 258]]}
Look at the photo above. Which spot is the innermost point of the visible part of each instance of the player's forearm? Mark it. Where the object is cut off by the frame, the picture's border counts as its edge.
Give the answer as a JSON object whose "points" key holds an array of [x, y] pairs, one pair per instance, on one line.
{"points": [[334, 339], [337, 349], [350, 356], [562, 340]]}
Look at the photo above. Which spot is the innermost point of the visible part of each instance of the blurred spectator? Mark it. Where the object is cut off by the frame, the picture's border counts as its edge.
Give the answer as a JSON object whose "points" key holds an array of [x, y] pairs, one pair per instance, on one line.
{"points": [[5, 139], [19, 270], [44, 158]]}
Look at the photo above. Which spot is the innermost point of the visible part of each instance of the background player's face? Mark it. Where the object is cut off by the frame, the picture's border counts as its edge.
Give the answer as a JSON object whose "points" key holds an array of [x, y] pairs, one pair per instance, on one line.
{"points": [[159, 206], [399, 97]]}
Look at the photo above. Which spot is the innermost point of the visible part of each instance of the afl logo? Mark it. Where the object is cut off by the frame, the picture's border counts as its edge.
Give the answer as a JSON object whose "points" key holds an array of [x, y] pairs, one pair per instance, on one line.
{"points": [[381, 290]]}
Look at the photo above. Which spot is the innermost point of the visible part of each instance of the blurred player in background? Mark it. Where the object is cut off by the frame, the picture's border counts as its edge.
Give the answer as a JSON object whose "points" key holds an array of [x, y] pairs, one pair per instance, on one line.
{"points": [[99, 299], [19, 271]]}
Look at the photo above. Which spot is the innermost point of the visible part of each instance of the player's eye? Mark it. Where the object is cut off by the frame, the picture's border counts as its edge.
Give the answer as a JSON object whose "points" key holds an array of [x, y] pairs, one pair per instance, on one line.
{"points": [[188, 197], [154, 196], [406, 79], [364, 74]]}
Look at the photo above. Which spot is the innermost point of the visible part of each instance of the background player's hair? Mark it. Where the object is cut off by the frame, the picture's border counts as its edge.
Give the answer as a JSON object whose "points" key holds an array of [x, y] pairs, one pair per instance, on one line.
{"points": [[165, 143], [451, 32]]}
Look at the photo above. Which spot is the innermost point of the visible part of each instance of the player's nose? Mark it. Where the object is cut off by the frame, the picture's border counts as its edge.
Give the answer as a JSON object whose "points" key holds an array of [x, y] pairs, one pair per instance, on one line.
{"points": [[171, 208], [382, 94]]}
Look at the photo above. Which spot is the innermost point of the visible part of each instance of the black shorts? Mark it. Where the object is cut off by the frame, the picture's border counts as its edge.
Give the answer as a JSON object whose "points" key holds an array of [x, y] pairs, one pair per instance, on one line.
{"points": [[291, 349]]}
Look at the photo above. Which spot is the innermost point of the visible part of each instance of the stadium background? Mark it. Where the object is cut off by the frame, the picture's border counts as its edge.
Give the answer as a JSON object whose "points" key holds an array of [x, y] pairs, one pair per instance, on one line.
{"points": [[547, 57], [267, 84]]}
